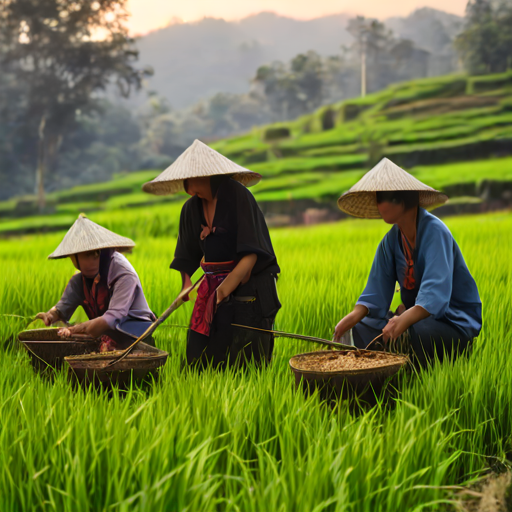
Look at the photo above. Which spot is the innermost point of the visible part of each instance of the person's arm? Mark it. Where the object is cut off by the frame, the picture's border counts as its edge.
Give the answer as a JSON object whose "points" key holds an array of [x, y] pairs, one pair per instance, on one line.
{"points": [[50, 317], [349, 321], [241, 273], [186, 283], [93, 328], [123, 293], [71, 298], [376, 298], [188, 252], [399, 324]]}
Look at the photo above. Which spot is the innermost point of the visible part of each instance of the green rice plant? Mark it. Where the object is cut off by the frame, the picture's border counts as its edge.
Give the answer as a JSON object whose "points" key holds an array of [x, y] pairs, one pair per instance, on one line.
{"points": [[249, 440]]}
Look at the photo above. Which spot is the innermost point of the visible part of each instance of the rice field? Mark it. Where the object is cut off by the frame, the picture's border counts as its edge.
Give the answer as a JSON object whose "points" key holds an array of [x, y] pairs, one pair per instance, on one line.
{"points": [[248, 441]]}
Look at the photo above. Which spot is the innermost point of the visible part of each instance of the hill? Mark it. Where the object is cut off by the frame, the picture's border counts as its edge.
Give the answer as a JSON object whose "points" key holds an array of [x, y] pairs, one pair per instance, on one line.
{"points": [[452, 132], [197, 60]]}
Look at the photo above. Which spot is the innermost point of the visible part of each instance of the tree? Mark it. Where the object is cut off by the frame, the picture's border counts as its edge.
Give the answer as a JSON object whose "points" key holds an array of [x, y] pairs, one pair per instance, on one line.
{"points": [[294, 89], [63, 53], [485, 44], [372, 39]]}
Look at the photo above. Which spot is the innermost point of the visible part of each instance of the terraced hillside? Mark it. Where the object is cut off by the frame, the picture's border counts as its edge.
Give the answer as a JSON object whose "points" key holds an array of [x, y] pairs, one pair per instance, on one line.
{"points": [[455, 133]]}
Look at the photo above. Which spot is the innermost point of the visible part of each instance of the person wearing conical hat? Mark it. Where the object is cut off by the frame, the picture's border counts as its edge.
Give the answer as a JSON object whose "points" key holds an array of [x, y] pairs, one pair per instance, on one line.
{"points": [[106, 286], [441, 311], [223, 231]]}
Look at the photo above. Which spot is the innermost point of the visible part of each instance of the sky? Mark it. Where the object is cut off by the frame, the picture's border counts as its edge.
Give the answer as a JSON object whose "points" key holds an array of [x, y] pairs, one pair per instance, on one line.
{"points": [[149, 15]]}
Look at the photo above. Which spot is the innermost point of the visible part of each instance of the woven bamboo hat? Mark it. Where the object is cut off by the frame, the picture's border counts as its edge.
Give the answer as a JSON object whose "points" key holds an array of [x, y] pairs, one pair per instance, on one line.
{"points": [[85, 235], [361, 199], [198, 161]]}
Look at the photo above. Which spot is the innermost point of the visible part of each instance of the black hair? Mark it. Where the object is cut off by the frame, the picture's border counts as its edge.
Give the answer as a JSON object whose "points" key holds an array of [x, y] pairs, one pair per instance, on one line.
{"points": [[409, 198]]}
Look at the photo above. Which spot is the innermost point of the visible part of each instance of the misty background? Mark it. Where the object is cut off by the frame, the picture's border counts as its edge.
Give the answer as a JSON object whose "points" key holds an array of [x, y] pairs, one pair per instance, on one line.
{"points": [[208, 79]]}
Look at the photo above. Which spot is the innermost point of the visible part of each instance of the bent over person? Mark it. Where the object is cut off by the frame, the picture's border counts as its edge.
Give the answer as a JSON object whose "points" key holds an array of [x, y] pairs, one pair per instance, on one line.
{"points": [[106, 286], [223, 231], [441, 311]]}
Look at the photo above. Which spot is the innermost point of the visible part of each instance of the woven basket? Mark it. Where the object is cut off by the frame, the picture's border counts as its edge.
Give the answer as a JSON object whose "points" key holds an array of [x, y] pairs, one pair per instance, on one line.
{"points": [[347, 382]]}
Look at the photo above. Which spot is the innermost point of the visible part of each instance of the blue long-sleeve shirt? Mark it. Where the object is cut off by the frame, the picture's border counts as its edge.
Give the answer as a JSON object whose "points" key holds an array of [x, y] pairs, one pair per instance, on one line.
{"points": [[446, 289]]}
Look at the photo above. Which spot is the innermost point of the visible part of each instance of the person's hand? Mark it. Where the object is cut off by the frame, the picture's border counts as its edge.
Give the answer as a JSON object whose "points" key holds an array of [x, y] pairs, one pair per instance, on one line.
{"points": [[67, 332], [184, 296], [340, 329], [221, 297], [186, 283], [47, 318], [394, 328]]}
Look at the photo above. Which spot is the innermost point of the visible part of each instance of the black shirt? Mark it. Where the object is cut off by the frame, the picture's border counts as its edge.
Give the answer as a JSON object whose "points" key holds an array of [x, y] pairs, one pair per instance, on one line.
{"points": [[239, 228]]}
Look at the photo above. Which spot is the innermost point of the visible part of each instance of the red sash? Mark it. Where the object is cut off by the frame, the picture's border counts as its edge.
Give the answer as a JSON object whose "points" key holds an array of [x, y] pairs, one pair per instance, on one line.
{"points": [[96, 299], [409, 281], [206, 301]]}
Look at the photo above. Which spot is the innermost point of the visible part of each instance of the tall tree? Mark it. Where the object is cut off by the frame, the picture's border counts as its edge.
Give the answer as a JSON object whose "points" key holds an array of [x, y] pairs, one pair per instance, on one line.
{"points": [[62, 52], [372, 39], [485, 44]]}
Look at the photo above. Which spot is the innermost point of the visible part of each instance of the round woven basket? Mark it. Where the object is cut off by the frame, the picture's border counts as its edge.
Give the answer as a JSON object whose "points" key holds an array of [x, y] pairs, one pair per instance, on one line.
{"points": [[347, 380]]}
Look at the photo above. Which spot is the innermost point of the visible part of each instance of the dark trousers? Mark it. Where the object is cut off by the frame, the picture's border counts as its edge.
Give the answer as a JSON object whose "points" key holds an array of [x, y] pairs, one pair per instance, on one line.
{"points": [[233, 345], [426, 338]]}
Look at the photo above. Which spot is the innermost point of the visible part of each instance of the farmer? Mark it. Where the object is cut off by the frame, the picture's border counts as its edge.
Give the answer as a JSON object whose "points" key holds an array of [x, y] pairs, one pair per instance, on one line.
{"points": [[223, 231], [107, 287], [441, 310]]}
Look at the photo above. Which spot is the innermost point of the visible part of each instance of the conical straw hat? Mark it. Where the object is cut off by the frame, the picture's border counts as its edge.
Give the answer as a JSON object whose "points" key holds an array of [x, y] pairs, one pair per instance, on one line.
{"points": [[85, 235], [361, 200], [198, 161]]}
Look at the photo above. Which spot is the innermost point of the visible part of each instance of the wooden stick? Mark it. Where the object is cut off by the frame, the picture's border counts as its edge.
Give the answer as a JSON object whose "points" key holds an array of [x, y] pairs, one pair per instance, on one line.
{"points": [[374, 339], [313, 339], [178, 301]]}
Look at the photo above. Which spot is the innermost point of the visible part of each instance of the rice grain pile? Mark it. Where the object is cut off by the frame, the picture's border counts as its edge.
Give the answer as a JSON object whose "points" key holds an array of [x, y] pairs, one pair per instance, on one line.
{"points": [[332, 361]]}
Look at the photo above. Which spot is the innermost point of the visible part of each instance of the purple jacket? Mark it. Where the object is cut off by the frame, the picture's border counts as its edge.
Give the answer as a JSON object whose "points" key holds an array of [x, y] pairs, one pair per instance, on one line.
{"points": [[127, 300]]}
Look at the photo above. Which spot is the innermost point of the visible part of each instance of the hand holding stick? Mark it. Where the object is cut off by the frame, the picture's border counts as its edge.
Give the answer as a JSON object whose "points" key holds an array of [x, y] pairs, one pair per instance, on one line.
{"points": [[178, 301]]}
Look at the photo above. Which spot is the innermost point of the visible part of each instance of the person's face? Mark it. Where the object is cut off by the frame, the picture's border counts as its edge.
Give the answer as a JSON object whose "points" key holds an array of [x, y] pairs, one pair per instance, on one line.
{"points": [[88, 263], [199, 187], [390, 212]]}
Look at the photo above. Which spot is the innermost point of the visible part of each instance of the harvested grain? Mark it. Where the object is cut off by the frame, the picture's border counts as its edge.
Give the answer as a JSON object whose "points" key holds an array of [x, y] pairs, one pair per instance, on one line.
{"points": [[345, 360]]}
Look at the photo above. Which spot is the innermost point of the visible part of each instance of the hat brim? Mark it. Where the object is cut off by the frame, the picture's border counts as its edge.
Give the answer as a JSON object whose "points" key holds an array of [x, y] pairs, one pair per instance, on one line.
{"points": [[168, 187], [363, 204], [55, 256]]}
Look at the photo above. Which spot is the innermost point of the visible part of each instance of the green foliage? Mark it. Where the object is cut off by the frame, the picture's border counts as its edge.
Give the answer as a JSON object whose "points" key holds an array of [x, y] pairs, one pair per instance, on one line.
{"points": [[51, 52], [485, 44], [249, 440], [427, 124]]}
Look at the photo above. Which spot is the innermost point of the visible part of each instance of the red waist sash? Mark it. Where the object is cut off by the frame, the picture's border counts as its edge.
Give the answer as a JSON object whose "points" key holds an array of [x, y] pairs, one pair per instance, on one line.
{"points": [[206, 301]]}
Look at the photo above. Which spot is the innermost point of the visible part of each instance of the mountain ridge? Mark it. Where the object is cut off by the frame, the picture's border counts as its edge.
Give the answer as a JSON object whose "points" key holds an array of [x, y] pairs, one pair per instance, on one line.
{"points": [[199, 59]]}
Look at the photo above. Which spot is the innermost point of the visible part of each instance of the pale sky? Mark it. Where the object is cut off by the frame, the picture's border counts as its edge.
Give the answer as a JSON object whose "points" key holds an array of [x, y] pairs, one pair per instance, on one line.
{"points": [[148, 15]]}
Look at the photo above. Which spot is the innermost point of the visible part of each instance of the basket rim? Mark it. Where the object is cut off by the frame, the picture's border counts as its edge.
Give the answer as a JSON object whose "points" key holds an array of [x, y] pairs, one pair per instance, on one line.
{"points": [[43, 331], [64, 341], [105, 356], [405, 360]]}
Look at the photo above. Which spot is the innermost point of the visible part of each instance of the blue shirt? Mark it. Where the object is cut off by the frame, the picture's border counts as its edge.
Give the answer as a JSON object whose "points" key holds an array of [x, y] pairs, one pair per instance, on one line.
{"points": [[446, 289]]}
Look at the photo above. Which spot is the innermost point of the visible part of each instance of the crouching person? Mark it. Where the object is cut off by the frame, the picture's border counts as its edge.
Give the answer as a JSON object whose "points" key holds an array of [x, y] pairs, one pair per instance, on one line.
{"points": [[107, 287], [441, 312]]}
